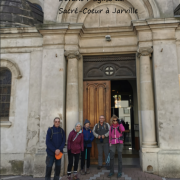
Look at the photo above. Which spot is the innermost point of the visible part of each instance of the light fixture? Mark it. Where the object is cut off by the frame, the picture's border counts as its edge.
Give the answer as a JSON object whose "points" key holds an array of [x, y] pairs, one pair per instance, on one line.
{"points": [[108, 38]]}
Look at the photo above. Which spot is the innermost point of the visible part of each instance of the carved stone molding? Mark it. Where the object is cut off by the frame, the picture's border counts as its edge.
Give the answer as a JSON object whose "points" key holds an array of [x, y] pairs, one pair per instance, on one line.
{"points": [[111, 67], [144, 51], [72, 54], [13, 67]]}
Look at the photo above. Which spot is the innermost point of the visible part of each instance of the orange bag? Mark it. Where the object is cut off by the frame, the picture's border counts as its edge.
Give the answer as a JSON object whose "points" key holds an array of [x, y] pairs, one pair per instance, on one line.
{"points": [[59, 156]]}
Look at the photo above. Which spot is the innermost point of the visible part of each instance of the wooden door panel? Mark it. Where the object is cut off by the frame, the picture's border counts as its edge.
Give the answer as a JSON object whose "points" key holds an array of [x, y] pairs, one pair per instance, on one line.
{"points": [[96, 102]]}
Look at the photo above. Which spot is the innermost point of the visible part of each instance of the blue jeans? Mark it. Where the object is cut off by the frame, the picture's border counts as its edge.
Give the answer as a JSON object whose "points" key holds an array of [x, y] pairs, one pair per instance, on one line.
{"points": [[49, 163]]}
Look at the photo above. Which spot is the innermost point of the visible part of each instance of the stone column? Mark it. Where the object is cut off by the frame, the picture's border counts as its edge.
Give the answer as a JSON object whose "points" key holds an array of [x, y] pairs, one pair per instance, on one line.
{"points": [[72, 98], [147, 99]]}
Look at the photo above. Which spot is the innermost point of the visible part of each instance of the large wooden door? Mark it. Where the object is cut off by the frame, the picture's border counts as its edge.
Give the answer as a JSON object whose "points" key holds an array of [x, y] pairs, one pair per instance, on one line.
{"points": [[96, 102]]}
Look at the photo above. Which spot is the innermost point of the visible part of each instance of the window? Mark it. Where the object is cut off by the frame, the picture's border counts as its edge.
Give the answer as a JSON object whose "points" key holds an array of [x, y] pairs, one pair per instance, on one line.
{"points": [[109, 70], [5, 93], [126, 111]]}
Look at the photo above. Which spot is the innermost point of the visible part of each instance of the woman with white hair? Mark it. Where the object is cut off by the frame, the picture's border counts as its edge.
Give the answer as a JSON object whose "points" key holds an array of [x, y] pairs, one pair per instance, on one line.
{"points": [[75, 146]]}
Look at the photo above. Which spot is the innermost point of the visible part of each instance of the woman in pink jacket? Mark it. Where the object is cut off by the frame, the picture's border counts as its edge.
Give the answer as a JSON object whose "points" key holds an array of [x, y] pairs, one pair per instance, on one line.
{"points": [[116, 142]]}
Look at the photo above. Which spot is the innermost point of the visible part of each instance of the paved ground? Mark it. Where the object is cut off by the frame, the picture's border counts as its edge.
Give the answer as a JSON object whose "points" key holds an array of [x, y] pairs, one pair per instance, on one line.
{"points": [[133, 173]]}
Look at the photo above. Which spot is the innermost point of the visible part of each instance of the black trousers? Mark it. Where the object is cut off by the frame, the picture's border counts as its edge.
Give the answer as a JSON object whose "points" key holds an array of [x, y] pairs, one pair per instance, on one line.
{"points": [[70, 162], [83, 154], [49, 163]]}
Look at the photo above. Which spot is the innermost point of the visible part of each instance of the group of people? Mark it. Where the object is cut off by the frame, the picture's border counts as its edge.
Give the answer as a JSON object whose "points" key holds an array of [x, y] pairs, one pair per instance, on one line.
{"points": [[108, 139]]}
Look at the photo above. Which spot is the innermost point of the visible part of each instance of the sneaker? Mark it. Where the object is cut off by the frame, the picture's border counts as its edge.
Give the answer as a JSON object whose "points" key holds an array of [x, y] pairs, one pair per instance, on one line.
{"points": [[110, 175], [75, 177], [69, 177], [82, 172], [119, 175], [88, 171], [99, 167]]}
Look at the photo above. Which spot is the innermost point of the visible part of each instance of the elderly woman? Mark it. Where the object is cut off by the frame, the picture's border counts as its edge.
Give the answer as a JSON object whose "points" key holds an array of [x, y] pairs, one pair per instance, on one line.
{"points": [[75, 146], [116, 142]]}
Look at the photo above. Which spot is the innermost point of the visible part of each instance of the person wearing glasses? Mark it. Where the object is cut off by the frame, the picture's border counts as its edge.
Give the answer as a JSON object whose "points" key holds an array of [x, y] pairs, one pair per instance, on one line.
{"points": [[55, 142], [101, 132], [116, 142]]}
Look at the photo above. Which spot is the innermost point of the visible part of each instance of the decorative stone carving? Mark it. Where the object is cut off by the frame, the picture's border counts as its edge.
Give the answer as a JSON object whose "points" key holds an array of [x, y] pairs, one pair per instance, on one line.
{"points": [[149, 7], [72, 54], [13, 67], [109, 67], [145, 51]]}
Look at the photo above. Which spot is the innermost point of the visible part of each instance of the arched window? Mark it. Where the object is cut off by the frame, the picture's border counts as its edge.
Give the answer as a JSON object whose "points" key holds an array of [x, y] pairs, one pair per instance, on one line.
{"points": [[5, 93]]}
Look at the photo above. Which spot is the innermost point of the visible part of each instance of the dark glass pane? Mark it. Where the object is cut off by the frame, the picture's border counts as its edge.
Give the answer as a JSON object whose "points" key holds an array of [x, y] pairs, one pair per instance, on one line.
{"points": [[5, 76], [5, 91], [8, 98], [3, 99]]}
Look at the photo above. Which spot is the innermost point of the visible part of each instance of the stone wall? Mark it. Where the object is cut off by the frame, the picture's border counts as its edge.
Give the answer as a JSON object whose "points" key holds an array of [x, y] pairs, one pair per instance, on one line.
{"points": [[40, 94], [13, 138]]}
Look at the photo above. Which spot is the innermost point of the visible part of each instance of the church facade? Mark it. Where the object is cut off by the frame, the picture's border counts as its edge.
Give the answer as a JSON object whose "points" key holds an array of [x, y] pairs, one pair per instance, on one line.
{"points": [[63, 66]]}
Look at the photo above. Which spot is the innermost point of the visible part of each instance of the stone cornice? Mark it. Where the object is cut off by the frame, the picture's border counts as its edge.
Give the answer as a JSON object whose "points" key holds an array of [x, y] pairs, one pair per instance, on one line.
{"points": [[72, 54], [159, 23], [59, 28], [19, 32], [144, 51], [163, 21]]}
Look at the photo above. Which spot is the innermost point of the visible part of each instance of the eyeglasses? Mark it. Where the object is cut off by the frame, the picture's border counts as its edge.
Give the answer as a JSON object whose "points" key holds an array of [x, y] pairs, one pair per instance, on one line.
{"points": [[115, 120], [57, 121]]}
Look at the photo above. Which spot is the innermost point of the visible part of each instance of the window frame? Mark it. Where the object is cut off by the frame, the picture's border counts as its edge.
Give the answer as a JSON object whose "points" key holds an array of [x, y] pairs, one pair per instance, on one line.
{"points": [[9, 94], [15, 75]]}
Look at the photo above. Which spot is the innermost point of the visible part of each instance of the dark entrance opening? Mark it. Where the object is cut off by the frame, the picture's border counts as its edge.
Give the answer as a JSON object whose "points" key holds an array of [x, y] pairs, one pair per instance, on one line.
{"points": [[122, 106]]}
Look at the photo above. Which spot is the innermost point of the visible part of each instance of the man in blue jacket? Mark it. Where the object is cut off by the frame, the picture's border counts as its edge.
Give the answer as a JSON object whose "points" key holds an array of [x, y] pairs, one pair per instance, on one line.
{"points": [[55, 142], [88, 138]]}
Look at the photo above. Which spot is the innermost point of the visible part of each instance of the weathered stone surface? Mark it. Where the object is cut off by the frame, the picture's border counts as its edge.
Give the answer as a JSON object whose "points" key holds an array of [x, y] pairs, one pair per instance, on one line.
{"points": [[46, 85], [166, 8]]}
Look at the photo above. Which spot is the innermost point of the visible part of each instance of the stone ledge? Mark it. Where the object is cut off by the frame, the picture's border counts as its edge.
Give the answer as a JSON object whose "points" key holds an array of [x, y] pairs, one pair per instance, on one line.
{"points": [[150, 150], [5, 124], [169, 151]]}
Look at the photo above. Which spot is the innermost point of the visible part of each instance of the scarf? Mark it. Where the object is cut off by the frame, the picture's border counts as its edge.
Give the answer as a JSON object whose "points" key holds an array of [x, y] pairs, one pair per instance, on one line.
{"points": [[77, 134], [115, 125]]}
